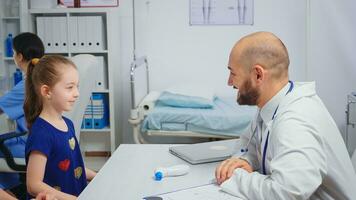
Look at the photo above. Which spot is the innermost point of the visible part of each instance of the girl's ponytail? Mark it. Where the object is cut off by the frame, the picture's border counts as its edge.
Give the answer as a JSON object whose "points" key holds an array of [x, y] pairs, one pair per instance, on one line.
{"points": [[33, 104]]}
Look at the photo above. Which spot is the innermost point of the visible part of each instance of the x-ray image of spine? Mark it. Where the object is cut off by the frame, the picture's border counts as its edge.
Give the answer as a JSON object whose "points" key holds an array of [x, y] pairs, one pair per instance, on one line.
{"points": [[206, 11], [241, 9], [221, 12]]}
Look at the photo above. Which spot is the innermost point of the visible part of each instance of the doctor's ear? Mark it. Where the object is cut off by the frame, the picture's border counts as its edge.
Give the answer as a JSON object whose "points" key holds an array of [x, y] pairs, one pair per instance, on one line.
{"points": [[45, 91], [259, 72]]}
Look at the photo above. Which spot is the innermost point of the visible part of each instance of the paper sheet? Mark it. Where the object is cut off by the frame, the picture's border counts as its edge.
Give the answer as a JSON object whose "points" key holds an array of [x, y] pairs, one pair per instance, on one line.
{"points": [[148, 103], [206, 192]]}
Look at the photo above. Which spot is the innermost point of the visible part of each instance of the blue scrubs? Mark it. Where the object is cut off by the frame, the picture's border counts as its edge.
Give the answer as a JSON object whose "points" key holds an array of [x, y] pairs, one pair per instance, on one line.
{"points": [[12, 105]]}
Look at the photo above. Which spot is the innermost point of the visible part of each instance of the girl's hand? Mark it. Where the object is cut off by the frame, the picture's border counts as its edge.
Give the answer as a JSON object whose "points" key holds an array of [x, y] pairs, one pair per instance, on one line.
{"points": [[44, 196]]}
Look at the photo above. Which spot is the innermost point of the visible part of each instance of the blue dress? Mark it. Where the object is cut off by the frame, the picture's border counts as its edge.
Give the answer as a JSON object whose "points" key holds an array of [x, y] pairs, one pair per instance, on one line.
{"points": [[65, 167], [12, 105]]}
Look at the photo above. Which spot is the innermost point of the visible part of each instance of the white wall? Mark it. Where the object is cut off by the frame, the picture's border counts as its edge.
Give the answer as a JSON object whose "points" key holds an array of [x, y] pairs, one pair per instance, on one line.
{"points": [[179, 53], [332, 63]]}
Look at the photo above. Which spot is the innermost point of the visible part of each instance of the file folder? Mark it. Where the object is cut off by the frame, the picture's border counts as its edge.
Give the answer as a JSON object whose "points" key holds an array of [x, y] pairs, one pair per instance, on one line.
{"points": [[63, 39], [88, 116], [98, 36], [73, 30], [100, 111], [40, 25], [49, 35], [82, 33], [90, 33], [101, 80], [56, 33]]}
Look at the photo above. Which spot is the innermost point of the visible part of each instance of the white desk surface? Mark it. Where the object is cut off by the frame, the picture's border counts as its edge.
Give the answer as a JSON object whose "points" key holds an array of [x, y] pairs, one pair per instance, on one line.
{"points": [[128, 174]]}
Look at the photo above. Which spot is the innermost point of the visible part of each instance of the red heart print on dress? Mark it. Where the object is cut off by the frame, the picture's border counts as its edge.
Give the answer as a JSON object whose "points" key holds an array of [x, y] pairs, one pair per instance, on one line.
{"points": [[64, 164]]}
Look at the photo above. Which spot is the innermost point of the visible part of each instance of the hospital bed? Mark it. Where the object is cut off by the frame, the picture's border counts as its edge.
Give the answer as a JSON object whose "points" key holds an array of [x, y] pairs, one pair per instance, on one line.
{"points": [[149, 116], [13, 161]]}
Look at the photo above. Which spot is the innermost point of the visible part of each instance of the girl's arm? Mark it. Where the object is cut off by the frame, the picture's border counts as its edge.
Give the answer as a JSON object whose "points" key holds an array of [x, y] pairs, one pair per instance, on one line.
{"points": [[90, 174], [34, 178], [6, 196]]}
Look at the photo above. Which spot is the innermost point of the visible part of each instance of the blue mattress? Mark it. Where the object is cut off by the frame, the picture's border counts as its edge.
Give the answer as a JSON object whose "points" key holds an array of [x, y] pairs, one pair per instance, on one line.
{"points": [[226, 117]]}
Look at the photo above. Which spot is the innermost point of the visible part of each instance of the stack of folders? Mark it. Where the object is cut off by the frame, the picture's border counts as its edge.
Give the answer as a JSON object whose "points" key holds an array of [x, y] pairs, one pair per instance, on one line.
{"points": [[96, 115], [77, 33]]}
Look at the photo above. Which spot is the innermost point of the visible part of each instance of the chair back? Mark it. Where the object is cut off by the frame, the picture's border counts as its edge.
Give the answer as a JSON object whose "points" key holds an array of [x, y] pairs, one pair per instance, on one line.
{"points": [[85, 64]]}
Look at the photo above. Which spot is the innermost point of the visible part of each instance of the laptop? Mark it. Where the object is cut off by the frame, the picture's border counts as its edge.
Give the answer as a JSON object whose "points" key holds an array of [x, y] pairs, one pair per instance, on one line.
{"points": [[205, 152]]}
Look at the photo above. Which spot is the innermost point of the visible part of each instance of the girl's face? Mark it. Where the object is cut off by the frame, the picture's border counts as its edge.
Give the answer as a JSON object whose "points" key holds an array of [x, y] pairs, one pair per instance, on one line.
{"points": [[64, 93]]}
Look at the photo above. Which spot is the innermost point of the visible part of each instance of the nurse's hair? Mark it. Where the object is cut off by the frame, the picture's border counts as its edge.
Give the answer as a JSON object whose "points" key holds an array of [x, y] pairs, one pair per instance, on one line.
{"points": [[44, 71], [29, 45]]}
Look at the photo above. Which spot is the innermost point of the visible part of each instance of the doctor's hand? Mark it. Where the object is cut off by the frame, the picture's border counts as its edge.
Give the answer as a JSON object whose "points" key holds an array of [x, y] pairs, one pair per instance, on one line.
{"points": [[226, 168]]}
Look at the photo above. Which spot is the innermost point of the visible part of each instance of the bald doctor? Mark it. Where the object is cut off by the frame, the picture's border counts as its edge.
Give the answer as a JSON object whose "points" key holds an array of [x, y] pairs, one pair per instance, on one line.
{"points": [[293, 149]]}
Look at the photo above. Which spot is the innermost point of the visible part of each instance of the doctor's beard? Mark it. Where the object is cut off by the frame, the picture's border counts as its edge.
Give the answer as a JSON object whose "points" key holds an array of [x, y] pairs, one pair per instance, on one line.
{"points": [[247, 95]]}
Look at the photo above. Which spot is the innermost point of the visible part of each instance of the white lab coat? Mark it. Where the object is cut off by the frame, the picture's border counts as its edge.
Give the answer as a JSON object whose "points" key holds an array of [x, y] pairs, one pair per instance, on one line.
{"points": [[306, 155]]}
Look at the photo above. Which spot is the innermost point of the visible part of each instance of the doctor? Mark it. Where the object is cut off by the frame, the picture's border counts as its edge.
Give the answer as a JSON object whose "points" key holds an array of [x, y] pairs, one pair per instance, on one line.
{"points": [[293, 149]]}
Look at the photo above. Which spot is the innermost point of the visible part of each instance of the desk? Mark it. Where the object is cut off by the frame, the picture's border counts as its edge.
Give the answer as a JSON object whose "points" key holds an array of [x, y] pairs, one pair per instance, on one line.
{"points": [[128, 174]]}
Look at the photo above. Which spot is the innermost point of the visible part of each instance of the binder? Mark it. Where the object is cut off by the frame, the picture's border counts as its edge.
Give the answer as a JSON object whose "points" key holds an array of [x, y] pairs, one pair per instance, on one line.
{"points": [[44, 32], [100, 111], [63, 39], [48, 34], [82, 33], [94, 33], [90, 33], [88, 116], [97, 24], [56, 33], [73, 30], [101, 80], [88, 122], [40, 25], [99, 119]]}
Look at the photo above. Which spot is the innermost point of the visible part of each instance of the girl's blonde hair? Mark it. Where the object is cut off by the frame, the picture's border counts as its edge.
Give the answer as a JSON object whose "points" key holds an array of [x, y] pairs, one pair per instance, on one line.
{"points": [[41, 71]]}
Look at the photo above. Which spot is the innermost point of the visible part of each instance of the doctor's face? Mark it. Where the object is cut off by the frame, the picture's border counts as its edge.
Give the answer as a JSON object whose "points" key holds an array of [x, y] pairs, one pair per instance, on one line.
{"points": [[240, 79]]}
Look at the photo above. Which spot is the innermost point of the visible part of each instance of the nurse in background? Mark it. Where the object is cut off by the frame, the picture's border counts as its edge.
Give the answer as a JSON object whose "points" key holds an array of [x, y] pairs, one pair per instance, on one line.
{"points": [[26, 46], [293, 149]]}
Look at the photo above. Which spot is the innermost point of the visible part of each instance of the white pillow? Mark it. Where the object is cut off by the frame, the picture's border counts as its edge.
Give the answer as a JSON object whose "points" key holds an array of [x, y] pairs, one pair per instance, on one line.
{"points": [[194, 90]]}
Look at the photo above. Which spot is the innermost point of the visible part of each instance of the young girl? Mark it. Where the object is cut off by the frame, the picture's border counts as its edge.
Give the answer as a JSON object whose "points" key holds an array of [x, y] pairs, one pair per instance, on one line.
{"points": [[54, 161]]}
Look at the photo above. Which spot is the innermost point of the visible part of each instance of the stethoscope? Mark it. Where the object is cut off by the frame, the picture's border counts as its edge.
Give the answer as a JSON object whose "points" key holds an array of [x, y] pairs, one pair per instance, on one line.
{"points": [[245, 150]]}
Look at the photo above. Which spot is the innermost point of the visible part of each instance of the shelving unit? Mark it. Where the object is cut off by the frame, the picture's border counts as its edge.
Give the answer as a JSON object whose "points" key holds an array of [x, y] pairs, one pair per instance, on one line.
{"points": [[94, 142], [11, 21]]}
